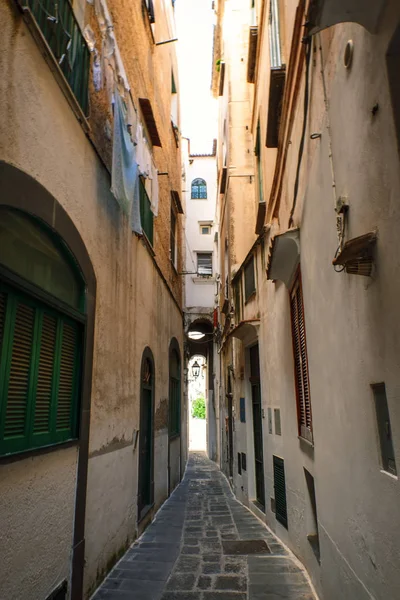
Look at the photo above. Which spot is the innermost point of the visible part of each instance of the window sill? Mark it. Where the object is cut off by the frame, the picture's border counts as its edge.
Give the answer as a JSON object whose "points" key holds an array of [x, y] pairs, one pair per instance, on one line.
{"points": [[146, 242], [389, 474], [173, 436], [205, 279], [305, 441], [24, 454]]}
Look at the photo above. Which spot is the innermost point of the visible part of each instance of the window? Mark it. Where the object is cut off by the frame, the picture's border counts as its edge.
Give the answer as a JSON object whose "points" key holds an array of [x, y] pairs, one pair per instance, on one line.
{"points": [[205, 229], [300, 361], [173, 244], [150, 10], [63, 35], [238, 299], [239, 459], [277, 419], [146, 215], [249, 279], [311, 517], [393, 64], [384, 428], [274, 36], [204, 264], [174, 393], [280, 491], [40, 339], [174, 101], [199, 189], [257, 152]]}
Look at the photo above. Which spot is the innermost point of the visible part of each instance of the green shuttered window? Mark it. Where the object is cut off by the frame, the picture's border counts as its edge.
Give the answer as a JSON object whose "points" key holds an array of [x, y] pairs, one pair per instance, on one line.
{"points": [[39, 374]]}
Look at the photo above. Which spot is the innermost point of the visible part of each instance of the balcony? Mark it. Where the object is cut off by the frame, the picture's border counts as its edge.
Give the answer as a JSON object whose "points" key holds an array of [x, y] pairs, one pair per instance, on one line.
{"points": [[146, 215], [53, 24]]}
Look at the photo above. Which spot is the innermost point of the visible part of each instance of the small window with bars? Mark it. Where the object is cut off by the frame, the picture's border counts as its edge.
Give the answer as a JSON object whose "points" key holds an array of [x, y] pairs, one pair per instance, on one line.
{"points": [[204, 264], [205, 228], [40, 373], [249, 279], [301, 361]]}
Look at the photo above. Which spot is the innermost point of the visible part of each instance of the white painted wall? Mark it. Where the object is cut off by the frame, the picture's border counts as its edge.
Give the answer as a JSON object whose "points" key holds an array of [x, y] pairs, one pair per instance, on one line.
{"points": [[200, 290]]}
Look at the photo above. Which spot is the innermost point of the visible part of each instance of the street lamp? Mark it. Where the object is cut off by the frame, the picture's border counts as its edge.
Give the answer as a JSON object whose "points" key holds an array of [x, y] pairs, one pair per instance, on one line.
{"points": [[195, 369]]}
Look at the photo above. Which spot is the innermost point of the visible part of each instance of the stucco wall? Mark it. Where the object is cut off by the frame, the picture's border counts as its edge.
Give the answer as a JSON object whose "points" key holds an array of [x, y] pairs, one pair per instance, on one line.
{"points": [[40, 135], [351, 323], [36, 522]]}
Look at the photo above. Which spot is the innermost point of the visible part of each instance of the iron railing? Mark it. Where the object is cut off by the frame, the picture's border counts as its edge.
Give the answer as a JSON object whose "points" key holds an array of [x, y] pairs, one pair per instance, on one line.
{"points": [[146, 215], [59, 27]]}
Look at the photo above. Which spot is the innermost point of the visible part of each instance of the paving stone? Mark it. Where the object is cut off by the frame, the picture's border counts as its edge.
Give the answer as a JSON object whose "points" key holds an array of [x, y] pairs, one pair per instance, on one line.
{"points": [[215, 595], [181, 582], [180, 555], [230, 582], [204, 582]]}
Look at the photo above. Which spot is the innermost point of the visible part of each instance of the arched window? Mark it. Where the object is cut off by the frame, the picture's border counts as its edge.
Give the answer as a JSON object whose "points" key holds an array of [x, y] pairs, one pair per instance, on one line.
{"points": [[146, 439], [41, 332], [199, 189], [174, 390]]}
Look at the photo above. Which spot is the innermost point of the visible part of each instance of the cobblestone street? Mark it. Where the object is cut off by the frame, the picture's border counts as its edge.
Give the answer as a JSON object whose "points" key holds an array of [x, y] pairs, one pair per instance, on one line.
{"points": [[204, 545]]}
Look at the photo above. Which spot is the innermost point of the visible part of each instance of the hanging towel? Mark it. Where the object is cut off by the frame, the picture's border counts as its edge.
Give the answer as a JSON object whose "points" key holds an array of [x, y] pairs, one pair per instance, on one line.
{"points": [[154, 189], [124, 167]]}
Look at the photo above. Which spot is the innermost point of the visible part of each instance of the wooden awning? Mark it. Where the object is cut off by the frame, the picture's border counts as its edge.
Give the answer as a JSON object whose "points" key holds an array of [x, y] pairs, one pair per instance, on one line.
{"points": [[149, 119]]}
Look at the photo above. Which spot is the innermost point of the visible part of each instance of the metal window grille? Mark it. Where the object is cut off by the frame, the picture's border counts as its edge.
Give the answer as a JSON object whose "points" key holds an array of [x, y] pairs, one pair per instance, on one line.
{"points": [[280, 491], [57, 22]]}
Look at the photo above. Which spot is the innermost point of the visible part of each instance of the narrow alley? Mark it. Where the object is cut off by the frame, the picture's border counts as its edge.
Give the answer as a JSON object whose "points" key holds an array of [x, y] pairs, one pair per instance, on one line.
{"points": [[205, 545]]}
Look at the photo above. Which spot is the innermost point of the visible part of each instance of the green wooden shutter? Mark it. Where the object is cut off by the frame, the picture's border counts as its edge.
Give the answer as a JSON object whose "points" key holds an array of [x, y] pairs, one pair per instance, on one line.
{"points": [[66, 383], [19, 376], [44, 388], [39, 374], [280, 491]]}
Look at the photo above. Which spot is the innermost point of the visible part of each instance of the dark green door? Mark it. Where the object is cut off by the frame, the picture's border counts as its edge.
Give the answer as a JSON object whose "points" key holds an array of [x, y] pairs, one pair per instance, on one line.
{"points": [[257, 424], [145, 492]]}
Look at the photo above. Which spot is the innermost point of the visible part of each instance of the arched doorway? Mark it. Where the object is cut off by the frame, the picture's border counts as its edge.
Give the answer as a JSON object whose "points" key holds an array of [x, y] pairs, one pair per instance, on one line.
{"points": [[200, 342], [175, 418], [146, 435]]}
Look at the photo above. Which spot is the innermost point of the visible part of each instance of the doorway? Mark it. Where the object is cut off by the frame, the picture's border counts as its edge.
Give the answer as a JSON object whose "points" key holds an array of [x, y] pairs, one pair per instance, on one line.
{"points": [[146, 436], [197, 390], [257, 424], [229, 431]]}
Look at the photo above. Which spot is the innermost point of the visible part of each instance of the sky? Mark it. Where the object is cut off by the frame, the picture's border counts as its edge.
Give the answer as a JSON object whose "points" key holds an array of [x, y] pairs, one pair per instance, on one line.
{"points": [[194, 21]]}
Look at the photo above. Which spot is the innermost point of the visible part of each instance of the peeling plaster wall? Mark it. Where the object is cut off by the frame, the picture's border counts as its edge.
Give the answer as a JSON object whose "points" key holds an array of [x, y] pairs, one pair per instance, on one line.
{"points": [[40, 135], [351, 322]]}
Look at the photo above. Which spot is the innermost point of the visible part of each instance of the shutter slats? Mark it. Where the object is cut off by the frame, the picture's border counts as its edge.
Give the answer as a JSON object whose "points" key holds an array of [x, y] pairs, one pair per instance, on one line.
{"points": [[300, 358], [280, 491], [2, 317], [44, 388], [66, 379], [18, 384]]}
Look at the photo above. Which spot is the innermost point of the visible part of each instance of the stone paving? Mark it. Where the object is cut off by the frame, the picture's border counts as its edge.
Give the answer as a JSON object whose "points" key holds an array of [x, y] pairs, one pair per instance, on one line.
{"points": [[186, 554]]}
